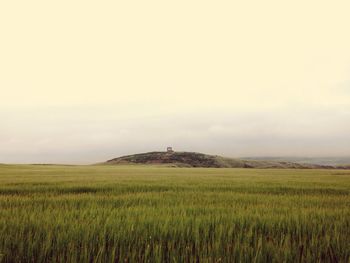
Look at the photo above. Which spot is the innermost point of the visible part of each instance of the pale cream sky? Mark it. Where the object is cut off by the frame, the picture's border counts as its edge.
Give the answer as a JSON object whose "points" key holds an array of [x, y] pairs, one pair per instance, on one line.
{"points": [[81, 81]]}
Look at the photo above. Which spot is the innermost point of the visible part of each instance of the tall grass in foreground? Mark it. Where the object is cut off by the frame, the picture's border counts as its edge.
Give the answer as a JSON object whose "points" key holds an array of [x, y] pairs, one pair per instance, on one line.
{"points": [[154, 214]]}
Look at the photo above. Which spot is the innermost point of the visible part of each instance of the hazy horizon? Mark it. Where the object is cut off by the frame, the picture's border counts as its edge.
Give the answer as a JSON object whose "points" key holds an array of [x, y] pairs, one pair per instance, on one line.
{"points": [[83, 81]]}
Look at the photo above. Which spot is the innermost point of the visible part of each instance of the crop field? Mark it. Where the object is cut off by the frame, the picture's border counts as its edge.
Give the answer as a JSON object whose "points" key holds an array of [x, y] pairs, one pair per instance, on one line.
{"points": [[161, 214]]}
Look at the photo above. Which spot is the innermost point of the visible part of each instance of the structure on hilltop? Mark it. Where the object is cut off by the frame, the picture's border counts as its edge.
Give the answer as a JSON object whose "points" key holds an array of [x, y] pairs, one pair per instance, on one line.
{"points": [[169, 149]]}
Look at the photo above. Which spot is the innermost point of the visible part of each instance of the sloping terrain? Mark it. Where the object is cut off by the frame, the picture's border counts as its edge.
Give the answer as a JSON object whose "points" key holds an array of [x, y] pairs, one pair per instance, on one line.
{"points": [[333, 161], [192, 159]]}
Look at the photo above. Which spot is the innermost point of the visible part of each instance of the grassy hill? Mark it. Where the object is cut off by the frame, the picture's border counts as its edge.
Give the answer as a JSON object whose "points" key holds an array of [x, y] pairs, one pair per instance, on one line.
{"points": [[334, 161], [193, 159]]}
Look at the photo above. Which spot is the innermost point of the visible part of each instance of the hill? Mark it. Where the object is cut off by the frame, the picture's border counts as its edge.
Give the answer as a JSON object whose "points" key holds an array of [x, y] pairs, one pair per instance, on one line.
{"points": [[193, 159], [333, 161]]}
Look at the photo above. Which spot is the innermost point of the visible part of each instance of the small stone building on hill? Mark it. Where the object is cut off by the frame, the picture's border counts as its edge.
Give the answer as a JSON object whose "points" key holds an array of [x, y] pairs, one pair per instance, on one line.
{"points": [[169, 150]]}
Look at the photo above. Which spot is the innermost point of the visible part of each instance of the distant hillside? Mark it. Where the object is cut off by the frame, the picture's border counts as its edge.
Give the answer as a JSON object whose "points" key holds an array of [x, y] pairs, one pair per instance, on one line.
{"points": [[192, 159], [333, 161]]}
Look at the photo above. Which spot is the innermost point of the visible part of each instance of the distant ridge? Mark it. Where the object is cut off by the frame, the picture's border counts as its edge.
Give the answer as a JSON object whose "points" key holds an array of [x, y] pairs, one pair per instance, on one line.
{"points": [[193, 159], [333, 161]]}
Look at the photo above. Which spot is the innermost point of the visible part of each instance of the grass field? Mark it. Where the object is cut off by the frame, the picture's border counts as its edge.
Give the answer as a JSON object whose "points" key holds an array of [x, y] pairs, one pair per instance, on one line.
{"points": [[159, 214]]}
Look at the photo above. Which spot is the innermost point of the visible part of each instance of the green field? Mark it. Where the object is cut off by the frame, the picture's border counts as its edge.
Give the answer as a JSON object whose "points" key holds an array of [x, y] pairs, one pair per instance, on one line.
{"points": [[159, 214]]}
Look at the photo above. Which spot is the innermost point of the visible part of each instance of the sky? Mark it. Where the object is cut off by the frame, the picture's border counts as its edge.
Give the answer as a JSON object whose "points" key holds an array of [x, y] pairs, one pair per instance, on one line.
{"points": [[86, 81]]}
